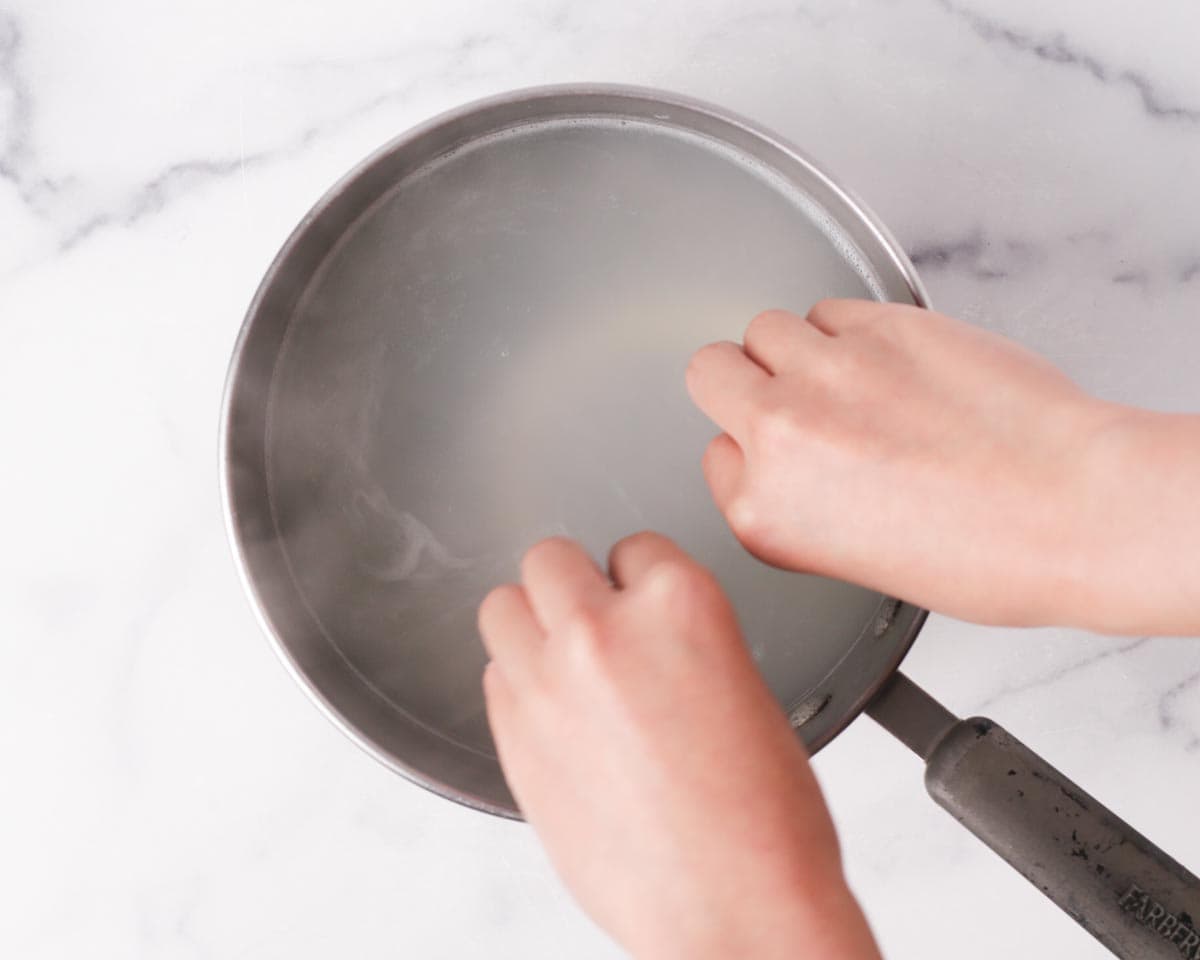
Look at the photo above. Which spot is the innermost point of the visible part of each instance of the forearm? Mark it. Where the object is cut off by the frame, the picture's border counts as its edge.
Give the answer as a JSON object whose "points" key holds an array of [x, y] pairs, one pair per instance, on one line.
{"points": [[1137, 549], [785, 925]]}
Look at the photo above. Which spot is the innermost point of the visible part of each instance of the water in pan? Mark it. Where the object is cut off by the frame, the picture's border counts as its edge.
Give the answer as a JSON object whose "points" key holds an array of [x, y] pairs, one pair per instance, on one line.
{"points": [[495, 353]]}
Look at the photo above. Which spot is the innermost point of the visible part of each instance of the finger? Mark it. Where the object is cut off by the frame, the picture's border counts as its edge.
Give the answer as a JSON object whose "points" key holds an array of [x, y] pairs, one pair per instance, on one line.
{"points": [[838, 317], [510, 632], [724, 383], [724, 465], [777, 340], [503, 713], [499, 700], [497, 694], [560, 580], [633, 557]]}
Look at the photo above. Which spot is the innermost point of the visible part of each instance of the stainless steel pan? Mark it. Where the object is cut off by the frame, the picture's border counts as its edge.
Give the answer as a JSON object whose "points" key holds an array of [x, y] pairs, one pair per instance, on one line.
{"points": [[477, 339]]}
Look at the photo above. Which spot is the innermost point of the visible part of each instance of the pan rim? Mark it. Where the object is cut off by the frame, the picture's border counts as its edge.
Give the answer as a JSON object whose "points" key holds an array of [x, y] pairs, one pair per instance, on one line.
{"points": [[906, 619]]}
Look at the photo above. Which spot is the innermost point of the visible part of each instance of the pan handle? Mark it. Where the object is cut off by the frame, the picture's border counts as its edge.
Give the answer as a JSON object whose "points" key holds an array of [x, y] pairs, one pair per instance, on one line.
{"points": [[1118, 885]]}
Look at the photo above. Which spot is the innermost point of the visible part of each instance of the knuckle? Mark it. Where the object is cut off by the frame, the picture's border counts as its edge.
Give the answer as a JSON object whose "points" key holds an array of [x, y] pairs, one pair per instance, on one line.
{"points": [[584, 644], [907, 315], [584, 629], [824, 309], [845, 318], [699, 360], [704, 360], [765, 321], [496, 600], [864, 357], [846, 365], [776, 428], [715, 453], [680, 592], [745, 518], [904, 328], [642, 538], [668, 577], [542, 552], [494, 688], [627, 547]]}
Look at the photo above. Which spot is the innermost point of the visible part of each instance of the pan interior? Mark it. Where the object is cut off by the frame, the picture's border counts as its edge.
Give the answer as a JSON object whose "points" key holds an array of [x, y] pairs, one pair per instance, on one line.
{"points": [[494, 352]]}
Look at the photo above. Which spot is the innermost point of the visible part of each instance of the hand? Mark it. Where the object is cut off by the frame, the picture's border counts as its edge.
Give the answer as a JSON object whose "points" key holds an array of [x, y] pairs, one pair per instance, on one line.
{"points": [[900, 449], [643, 746]]}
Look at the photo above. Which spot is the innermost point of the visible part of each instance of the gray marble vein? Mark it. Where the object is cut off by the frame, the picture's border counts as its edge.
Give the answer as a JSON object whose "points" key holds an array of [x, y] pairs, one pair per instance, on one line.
{"points": [[1059, 50], [982, 256], [1168, 709], [1068, 669], [154, 195], [183, 177], [17, 118], [1132, 277], [20, 108], [978, 254]]}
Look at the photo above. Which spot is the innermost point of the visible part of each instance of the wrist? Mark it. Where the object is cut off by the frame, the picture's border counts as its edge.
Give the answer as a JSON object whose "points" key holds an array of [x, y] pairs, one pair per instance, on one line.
{"points": [[788, 924], [1135, 520]]}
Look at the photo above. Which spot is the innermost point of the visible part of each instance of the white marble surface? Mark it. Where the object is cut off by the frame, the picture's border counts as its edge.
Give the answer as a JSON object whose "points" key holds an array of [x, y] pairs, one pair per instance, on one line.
{"points": [[165, 790]]}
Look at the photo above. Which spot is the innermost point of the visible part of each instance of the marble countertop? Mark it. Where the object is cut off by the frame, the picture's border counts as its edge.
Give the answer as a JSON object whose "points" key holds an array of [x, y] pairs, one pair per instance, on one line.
{"points": [[168, 791]]}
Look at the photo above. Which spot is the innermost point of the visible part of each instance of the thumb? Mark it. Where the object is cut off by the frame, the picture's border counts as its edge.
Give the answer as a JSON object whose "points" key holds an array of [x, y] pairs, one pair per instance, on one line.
{"points": [[723, 465]]}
